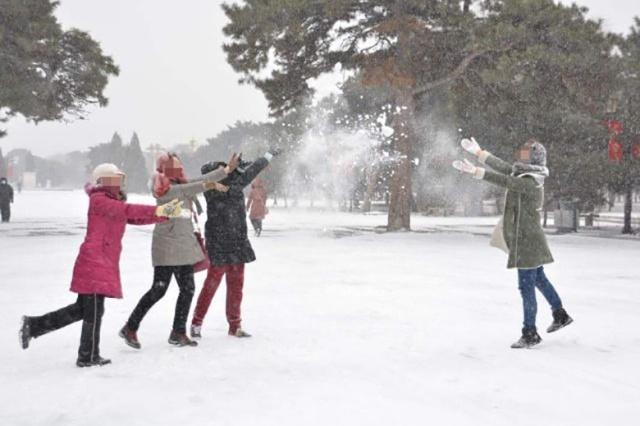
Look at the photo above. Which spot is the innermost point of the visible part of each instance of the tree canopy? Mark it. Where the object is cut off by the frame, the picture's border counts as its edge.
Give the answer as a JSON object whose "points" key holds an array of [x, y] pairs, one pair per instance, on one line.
{"points": [[47, 73]]}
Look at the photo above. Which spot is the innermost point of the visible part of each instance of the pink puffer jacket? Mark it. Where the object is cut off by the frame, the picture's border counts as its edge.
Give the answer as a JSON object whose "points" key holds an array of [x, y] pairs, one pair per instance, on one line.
{"points": [[97, 269]]}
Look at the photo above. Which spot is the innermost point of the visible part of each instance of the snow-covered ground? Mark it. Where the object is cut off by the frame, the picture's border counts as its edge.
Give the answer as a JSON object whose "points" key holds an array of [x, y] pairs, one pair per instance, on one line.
{"points": [[351, 327]]}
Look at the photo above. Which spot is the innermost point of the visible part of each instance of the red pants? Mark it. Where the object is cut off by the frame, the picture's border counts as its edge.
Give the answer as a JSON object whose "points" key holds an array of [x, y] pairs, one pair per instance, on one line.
{"points": [[235, 282]]}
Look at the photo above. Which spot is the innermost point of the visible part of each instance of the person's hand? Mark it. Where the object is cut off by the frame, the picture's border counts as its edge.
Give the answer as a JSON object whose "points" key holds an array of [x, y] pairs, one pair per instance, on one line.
{"points": [[233, 163], [471, 146], [171, 209], [215, 186], [467, 166], [275, 151]]}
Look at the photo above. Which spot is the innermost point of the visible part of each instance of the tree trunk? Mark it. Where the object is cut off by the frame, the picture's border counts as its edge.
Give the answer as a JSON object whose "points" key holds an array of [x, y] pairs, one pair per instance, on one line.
{"points": [[400, 198], [628, 207], [372, 180]]}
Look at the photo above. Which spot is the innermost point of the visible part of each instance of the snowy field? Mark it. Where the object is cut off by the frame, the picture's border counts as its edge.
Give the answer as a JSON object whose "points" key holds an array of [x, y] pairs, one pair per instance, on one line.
{"points": [[351, 327]]}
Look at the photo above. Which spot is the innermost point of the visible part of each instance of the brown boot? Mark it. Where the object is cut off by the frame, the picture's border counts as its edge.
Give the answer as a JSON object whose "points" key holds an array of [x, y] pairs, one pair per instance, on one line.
{"points": [[181, 339], [130, 337]]}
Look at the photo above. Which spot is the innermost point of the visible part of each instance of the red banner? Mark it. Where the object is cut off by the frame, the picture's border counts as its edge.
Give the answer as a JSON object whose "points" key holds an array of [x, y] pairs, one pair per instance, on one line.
{"points": [[615, 150]]}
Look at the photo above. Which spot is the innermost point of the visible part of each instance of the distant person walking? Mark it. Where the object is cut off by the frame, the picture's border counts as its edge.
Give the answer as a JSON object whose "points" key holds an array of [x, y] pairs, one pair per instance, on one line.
{"points": [[6, 198], [96, 273], [175, 248], [520, 233], [257, 205]]}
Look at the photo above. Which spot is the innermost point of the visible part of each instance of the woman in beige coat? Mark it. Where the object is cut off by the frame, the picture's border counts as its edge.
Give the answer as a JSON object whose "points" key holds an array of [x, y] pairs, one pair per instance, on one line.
{"points": [[175, 248]]}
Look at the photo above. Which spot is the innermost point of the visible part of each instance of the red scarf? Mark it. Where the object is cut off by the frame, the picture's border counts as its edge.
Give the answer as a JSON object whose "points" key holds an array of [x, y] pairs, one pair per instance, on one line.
{"points": [[165, 176]]}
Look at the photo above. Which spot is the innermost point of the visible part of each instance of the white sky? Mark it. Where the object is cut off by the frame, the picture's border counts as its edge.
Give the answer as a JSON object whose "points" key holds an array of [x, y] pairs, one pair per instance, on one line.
{"points": [[174, 82]]}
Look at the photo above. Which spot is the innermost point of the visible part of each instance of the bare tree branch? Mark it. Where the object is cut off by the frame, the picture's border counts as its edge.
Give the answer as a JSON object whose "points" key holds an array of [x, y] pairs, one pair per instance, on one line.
{"points": [[455, 74]]}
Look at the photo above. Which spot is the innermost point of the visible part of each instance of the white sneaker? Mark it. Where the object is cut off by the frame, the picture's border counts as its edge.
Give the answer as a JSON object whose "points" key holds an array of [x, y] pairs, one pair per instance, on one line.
{"points": [[195, 332], [240, 333]]}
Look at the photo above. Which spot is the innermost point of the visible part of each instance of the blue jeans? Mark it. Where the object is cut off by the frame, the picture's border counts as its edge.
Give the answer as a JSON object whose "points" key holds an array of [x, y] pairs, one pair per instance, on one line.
{"points": [[528, 280]]}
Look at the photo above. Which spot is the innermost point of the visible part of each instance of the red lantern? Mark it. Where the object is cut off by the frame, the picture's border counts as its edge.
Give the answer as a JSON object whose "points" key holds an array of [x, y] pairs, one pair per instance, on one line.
{"points": [[615, 150], [635, 150], [615, 127]]}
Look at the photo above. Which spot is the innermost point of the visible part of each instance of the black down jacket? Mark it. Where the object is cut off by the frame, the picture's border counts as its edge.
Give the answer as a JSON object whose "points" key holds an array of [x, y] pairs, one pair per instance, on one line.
{"points": [[226, 228]]}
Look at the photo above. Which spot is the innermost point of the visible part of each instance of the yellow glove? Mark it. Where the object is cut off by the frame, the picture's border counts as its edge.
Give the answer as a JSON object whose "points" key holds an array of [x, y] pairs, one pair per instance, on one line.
{"points": [[171, 209]]}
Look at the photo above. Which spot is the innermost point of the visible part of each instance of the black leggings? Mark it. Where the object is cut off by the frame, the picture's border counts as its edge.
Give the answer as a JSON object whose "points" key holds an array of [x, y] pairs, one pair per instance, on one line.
{"points": [[89, 308], [161, 279], [257, 224], [5, 210]]}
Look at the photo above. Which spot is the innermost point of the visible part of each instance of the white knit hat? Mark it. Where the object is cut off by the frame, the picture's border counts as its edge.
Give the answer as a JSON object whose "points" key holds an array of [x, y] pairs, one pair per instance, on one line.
{"points": [[106, 170]]}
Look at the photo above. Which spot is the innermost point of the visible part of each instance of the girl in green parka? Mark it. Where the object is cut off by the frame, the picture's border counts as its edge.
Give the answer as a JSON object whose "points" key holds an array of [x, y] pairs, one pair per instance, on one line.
{"points": [[520, 233]]}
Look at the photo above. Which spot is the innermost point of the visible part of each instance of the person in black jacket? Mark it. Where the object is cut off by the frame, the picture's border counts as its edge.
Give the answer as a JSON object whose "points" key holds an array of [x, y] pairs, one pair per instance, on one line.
{"points": [[227, 243], [6, 198]]}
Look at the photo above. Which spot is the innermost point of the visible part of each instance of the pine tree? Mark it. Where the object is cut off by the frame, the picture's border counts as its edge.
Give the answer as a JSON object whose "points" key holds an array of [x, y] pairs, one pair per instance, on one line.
{"points": [[553, 85], [624, 176], [46, 72], [135, 167], [110, 152], [411, 47]]}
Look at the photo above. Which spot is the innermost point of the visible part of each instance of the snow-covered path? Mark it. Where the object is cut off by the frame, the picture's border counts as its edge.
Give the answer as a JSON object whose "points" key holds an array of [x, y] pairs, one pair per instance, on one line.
{"points": [[350, 328]]}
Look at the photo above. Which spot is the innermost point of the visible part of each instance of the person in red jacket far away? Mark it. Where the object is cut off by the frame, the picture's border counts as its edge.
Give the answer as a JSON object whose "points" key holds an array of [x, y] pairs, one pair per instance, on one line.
{"points": [[257, 205], [96, 273]]}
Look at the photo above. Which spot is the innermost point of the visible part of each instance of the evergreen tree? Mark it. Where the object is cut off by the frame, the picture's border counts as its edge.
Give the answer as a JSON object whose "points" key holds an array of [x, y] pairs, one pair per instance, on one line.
{"points": [[135, 168], [552, 84], [411, 47], [624, 175], [46, 72], [110, 152]]}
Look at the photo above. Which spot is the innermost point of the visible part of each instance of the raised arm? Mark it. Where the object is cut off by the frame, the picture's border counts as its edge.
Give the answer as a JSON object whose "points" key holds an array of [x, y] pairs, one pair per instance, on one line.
{"points": [[485, 157], [254, 169], [501, 166]]}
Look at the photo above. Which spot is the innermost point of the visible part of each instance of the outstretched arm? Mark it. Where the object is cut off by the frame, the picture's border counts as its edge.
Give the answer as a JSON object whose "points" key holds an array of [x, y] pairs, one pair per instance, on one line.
{"points": [[212, 176], [138, 214], [516, 184], [485, 157], [526, 185], [501, 166]]}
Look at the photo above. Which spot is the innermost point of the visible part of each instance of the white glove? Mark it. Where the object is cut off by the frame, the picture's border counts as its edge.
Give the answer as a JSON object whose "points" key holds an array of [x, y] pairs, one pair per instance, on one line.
{"points": [[171, 209], [471, 146], [467, 167]]}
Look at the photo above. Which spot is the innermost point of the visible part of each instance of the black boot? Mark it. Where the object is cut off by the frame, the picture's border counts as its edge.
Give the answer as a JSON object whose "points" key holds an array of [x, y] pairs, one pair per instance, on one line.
{"points": [[181, 339], [560, 319], [89, 351], [25, 332], [97, 361], [529, 338]]}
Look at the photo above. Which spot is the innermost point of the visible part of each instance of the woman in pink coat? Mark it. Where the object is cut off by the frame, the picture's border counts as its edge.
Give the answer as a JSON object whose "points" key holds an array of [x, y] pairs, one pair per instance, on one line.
{"points": [[257, 204], [96, 274]]}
